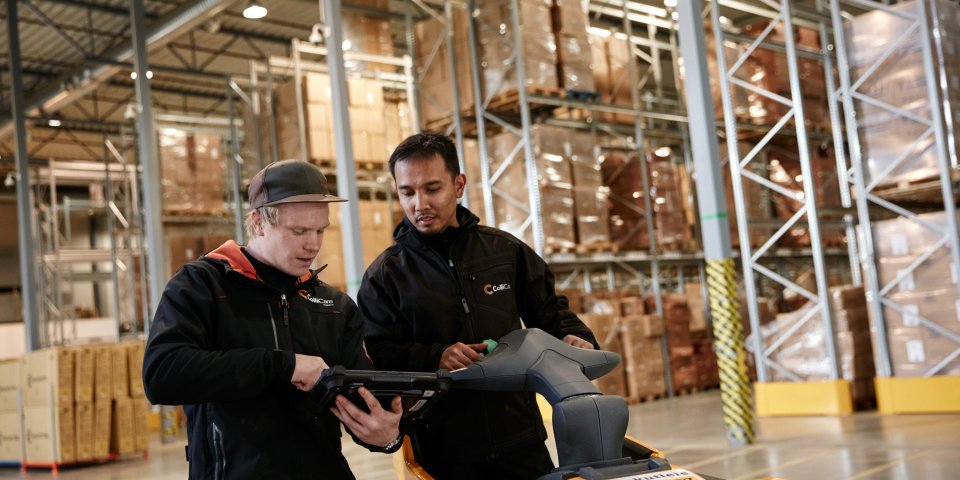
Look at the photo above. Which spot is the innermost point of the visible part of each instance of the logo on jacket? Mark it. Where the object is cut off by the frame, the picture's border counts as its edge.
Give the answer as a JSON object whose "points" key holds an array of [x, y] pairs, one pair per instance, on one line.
{"points": [[319, 301], [491, 289]]}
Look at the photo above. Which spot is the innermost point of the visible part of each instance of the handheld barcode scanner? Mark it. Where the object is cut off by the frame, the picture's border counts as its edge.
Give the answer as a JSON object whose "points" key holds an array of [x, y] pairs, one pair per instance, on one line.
{"points": [[589, 427]]}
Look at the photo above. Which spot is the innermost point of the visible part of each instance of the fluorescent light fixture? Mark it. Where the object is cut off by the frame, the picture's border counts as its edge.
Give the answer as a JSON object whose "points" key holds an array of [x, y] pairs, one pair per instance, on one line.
{"points": [[53, 122], [670, 3], [663, 152], [254, 11]]}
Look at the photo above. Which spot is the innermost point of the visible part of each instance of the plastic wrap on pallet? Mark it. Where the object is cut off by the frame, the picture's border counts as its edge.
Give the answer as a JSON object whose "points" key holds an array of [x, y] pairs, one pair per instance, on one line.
{"points": [[622, 175], [803, 355], [436, 82], [192, 167], [671, 227], [901, 82], [367, 34], [497, 52], [927, 294], [610, 56], [644, 362], [784, 170], [556, 189], [590, 195], [756, 199], [573, 46]]}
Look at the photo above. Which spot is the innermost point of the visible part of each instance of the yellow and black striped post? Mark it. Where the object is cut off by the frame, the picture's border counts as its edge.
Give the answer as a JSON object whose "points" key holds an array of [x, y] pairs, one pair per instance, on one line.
{"points": [[735, 386], [731, 354]]}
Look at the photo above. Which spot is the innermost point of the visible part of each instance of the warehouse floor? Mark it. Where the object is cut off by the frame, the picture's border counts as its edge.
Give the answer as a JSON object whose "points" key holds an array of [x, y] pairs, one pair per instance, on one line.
{"points": [[689, 429]]}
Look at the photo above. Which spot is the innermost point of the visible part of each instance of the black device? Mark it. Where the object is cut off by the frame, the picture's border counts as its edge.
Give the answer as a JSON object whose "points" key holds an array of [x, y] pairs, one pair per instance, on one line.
{"points": [[417, 390]]}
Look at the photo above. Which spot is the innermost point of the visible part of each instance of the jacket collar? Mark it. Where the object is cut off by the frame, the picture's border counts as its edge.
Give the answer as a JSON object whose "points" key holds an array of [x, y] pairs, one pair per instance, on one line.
{"points": [[231, 254], [406, 232]]}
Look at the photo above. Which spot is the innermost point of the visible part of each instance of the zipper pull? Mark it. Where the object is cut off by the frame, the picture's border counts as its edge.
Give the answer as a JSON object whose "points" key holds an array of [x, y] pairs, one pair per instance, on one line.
{"points": [[285, 306], [463, 301]]}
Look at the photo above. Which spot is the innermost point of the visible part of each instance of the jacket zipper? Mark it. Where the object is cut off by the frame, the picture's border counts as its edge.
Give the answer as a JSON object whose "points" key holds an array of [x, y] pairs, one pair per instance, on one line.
{"points": [[273, 324], [220, 467], [285, 306]]}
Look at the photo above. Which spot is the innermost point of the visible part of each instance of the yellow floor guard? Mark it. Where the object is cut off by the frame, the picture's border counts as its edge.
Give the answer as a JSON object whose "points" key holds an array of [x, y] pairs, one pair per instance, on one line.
{"points": [[803, 398], [940, 394]]}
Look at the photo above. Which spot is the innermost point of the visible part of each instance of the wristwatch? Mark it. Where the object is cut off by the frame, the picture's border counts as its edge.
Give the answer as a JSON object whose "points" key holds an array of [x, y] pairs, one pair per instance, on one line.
{"points": [[394, 445]]}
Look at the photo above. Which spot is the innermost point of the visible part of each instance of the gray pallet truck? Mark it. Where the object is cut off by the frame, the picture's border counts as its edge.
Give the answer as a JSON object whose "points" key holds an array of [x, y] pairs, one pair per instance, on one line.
{"points": [[589, 427]]}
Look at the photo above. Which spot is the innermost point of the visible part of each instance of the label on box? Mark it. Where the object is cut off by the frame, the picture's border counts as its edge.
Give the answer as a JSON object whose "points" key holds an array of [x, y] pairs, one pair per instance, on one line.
{"points": [[911, 315], [898, 244], [907, 283], [915, 351]]}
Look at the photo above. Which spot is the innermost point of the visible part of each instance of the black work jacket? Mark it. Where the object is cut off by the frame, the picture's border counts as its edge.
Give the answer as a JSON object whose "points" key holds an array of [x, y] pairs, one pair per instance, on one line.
{"points": [[222, 344], [416, 303]]}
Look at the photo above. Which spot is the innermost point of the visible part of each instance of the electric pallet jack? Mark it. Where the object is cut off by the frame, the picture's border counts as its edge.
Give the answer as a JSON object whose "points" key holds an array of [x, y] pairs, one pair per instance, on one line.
{"points": [[589, 427]]}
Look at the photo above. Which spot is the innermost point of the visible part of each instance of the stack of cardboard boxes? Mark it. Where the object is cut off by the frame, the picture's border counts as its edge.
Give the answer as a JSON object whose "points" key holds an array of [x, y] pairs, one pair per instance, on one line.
{"points": [[671, 225], [611, 55], [82, 404], [555, 183], [926, 296], [11, 419], [901, 82], [191, 172], [367, 34], [803, 353], [622, 326], [574, 53], [377, 221], [367, 119], [436, 80], [496, 38], [589, 193], [186, 245], [622, 175]]}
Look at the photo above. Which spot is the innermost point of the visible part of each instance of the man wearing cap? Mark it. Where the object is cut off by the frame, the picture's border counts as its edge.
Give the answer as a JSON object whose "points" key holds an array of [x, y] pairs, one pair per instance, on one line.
{"points": [[430, 301], [242, 334]]}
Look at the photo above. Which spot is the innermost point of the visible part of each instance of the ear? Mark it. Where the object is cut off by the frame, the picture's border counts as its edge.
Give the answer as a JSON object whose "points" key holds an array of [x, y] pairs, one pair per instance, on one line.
{"points": [[459, 182], [257, 224]]}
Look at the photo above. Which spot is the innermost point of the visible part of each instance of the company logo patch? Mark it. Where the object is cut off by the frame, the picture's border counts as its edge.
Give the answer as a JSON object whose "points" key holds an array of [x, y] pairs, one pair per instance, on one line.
{"points": [[489, 289], [319, 301]]}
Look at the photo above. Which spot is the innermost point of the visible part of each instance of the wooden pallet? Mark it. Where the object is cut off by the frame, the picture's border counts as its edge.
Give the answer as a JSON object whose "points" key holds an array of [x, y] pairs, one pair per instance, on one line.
{"points": [[647, 398], [687, 391], [599, 247], [509, 101], [368, 165]]}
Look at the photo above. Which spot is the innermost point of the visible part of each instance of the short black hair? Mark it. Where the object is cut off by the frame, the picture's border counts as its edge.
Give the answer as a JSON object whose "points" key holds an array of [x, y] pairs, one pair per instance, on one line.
{"points": [[424, 146]]}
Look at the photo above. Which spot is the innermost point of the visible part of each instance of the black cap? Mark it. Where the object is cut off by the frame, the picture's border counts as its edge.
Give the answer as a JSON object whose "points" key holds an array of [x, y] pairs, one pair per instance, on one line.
{"points": [[289, 181]]}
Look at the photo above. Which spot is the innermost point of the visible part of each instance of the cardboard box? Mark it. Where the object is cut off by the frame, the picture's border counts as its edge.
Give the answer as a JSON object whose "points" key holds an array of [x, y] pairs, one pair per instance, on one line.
{"points": [[11, 436], [141, 437], [84, 358], [84, 412], [102, 373], [123, 435], [135, 352], [10, 385], [49, 434], [118, 371], [698, 308], [644, 326], [47, 377], [102, 428]]}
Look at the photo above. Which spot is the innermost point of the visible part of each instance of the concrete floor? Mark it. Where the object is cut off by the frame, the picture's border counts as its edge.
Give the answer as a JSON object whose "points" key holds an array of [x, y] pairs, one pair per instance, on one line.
{"points": [[689, 430]]}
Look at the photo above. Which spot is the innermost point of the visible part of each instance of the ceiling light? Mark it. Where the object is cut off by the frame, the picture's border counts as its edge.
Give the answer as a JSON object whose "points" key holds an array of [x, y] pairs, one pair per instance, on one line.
{"points": [[670, 3], [254, 11], [53, 122], [149, 74], [133, 75]]}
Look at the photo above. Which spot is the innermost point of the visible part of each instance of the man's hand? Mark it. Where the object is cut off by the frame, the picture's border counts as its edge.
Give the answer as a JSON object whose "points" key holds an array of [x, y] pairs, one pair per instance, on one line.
{"points": [[307, 371], [577, 342], [379, 427], [461, 355]]}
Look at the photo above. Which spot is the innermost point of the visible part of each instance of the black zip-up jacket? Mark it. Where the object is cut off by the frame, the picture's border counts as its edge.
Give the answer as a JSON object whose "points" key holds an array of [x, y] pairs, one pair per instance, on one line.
{"points": [[417, 303], [222, 344]]}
